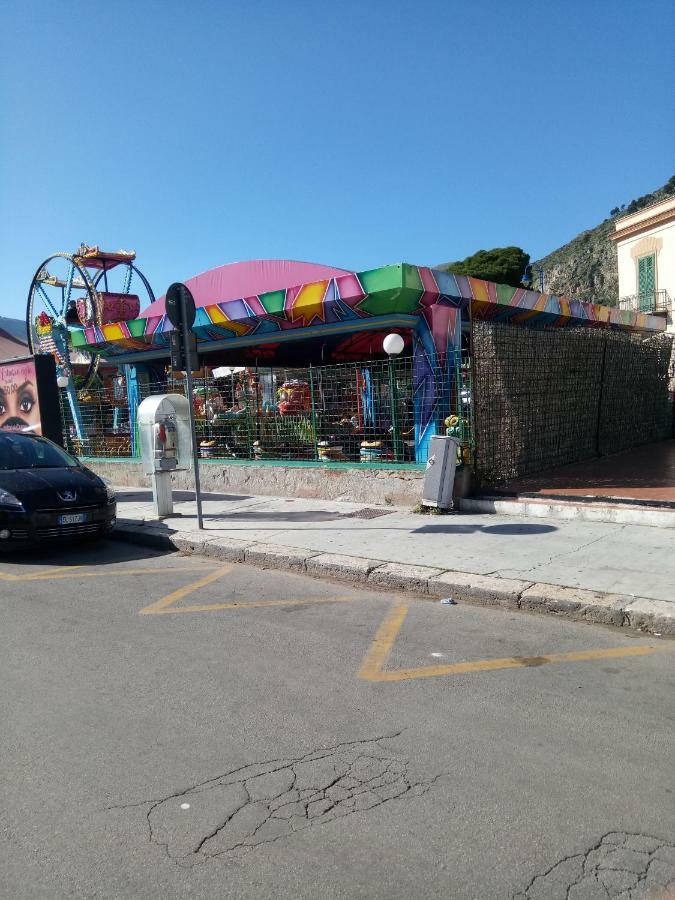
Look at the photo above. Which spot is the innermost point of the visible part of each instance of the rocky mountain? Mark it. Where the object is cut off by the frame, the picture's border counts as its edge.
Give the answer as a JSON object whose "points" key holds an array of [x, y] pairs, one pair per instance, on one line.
{"points": [[586, 266]]}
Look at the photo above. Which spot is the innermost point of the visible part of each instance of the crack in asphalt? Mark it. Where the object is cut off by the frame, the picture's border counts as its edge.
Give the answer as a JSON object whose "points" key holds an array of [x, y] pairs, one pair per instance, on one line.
{"points": [[622, 865], [264, 802]]}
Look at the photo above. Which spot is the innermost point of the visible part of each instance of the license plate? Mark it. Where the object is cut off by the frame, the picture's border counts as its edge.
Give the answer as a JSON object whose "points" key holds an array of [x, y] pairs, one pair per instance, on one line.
{"points": [[72, 519]]}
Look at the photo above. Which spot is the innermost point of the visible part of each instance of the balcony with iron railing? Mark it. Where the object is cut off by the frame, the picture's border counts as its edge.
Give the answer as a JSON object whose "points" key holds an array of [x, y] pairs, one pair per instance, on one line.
{"points": [[647, 302]]}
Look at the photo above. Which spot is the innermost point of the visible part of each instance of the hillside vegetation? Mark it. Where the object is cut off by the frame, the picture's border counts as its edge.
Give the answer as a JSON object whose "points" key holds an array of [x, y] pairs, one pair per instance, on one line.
{"points": [[586, 267]]}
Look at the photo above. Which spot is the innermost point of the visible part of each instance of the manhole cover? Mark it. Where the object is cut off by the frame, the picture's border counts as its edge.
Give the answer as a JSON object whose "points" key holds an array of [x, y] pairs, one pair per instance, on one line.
{"points": [[368, 513]]}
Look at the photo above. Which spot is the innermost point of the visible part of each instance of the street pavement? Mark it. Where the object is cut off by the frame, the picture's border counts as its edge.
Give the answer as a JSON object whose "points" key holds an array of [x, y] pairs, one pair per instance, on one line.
{"points": [[180, 727], [595, 556]]}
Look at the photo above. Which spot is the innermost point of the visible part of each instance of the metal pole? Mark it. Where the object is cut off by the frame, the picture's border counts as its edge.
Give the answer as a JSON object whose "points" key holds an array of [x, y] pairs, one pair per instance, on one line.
{"points": [[188, 380], [601, 385], [311, 394], [398, 450]]}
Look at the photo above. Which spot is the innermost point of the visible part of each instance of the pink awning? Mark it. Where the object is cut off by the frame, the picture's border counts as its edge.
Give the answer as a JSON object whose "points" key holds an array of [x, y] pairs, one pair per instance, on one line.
{"points": [[248, 279]]}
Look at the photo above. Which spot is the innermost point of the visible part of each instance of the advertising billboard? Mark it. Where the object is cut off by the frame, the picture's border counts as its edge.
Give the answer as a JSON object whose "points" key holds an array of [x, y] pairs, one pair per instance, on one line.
{"points": [[29, 400]]}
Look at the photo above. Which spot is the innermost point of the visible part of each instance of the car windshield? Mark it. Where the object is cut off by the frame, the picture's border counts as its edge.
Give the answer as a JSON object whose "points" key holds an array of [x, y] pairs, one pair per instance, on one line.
{"points": [[19, 451]]}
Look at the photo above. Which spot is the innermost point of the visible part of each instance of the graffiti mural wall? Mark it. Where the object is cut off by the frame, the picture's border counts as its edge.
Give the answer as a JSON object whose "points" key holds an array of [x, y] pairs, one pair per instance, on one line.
{"points": [[347, 302]]}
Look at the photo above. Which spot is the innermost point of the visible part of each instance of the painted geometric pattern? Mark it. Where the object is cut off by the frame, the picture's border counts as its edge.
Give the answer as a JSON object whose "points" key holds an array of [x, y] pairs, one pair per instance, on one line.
{"points": [[402, 289], [436, 346]]}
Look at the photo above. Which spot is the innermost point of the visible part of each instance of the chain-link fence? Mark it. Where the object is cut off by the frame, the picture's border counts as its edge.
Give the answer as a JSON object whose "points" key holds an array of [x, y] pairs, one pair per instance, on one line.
{"points": [[557, 396], [357, 413], [526, 400]]}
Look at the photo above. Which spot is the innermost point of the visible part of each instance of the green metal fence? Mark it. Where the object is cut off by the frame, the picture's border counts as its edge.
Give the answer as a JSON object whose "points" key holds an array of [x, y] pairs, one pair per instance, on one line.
{"points": [[358, 413]]}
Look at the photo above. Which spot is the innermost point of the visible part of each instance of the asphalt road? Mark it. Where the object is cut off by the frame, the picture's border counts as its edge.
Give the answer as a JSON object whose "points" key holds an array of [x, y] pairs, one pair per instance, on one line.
{"points": [[173, 728]]}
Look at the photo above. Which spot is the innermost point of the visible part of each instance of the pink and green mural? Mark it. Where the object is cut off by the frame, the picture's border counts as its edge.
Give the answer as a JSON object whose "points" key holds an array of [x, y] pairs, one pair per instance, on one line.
{"points": [[346, 302], [436, 360], [426, 303]]}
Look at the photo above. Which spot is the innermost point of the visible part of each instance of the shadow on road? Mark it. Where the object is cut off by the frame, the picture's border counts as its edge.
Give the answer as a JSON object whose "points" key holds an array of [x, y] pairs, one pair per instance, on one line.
{"points": [[319, 515], [523, 529], [178, 496], [86, 553], [518, 529]]}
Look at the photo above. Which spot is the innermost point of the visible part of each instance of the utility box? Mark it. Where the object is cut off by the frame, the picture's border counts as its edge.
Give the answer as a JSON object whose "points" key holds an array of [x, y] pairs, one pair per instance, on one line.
{"points": [[439, 478], [164, 426]]}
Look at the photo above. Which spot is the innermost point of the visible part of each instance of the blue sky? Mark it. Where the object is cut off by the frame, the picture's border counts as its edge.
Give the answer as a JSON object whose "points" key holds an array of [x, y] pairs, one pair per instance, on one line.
{"points": [[351, 133]]}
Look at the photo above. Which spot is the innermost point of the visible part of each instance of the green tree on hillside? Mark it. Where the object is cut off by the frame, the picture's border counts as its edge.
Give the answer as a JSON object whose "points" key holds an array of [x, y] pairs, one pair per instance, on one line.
{"points": [[667, 190], [505, 265]]}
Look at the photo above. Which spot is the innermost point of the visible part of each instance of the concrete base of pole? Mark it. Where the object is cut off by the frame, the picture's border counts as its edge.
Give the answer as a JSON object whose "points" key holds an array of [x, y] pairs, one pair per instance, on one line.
{"points": [[162, 495]]}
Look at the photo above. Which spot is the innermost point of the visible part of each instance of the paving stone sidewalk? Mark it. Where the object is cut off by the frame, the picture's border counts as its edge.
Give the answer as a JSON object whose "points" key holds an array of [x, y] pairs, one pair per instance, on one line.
{"points": [[614, 574]]}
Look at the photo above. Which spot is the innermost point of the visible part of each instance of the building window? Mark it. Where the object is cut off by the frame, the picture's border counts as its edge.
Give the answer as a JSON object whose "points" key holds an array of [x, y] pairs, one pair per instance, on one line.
{"points": [[646, 282]]}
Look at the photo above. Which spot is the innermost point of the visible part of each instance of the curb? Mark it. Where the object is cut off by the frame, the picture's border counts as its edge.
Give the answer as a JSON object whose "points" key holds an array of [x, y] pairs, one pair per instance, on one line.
{"points": [[620, 610], [614, 512]]}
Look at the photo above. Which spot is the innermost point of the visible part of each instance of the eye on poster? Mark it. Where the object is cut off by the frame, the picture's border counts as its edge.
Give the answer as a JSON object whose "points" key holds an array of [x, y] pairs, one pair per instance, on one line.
{"points": [[29, 401]]}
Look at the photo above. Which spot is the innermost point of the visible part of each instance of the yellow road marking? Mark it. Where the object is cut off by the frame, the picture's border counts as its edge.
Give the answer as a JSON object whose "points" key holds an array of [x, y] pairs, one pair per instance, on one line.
{"points": [[166, 604], [375, 660], [175, 596], [8, 577], [207, 607], [119, 574], [60, 569], [378, 654], [67, 572]]}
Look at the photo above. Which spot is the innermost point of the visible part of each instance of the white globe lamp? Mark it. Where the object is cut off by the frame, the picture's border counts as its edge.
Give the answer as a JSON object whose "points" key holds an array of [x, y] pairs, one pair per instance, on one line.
{"points": [[62, 381], [393, 344]]}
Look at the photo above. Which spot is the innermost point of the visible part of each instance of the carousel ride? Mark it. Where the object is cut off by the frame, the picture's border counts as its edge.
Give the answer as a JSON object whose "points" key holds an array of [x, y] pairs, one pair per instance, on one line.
{"points": [[70, 291]]}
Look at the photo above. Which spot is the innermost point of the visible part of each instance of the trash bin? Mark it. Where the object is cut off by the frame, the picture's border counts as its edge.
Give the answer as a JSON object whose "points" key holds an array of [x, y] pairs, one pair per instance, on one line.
{"points": [[439, 477]]}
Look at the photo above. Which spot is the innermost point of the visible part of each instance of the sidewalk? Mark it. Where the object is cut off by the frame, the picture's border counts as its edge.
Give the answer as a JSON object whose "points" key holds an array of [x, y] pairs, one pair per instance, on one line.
{"points": [[644, 475], [619, 574]]}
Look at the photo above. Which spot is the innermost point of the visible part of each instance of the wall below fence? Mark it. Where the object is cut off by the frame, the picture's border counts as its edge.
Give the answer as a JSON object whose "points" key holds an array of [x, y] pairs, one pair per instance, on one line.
{"points": [[396, 486], [400, 486]]}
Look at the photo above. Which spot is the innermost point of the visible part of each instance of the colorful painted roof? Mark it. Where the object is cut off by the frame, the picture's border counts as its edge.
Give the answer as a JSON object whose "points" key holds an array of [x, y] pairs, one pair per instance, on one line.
{"points": [[352, 301], [245, 279]]}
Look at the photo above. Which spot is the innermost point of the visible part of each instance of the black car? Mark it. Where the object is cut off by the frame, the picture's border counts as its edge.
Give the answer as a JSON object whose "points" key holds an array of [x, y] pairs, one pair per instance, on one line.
{"points": [[46, 494]]}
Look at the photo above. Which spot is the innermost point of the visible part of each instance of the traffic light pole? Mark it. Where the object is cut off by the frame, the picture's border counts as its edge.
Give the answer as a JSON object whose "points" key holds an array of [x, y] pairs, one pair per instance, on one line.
{"points": [[191, 408]]}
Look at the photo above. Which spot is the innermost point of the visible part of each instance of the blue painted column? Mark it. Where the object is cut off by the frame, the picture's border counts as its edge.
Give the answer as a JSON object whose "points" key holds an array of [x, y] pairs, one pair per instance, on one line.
{"points": [[59, 336], [133, 401], [437, 345], [137, 378]]}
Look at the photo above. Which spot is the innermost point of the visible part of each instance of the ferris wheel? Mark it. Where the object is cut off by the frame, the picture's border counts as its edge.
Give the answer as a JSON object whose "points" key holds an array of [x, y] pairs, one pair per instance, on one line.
{"points": [[87, 288]]}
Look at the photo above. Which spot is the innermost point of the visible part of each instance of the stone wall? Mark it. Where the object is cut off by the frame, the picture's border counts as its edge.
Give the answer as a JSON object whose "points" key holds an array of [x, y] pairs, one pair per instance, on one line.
{"points": [[397, 487]]}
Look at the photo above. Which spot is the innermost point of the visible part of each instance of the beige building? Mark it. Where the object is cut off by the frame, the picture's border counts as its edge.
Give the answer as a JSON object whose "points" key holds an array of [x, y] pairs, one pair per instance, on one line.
{"points": [[645, 243]]}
